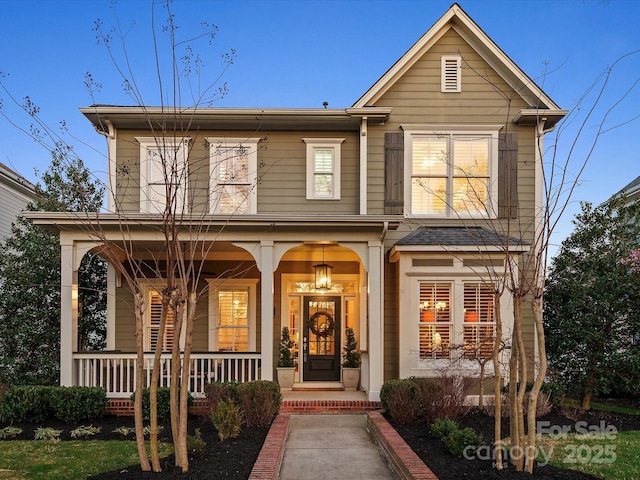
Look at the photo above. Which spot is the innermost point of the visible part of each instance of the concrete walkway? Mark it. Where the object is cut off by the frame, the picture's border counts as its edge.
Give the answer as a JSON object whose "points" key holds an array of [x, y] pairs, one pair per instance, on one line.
{"points": [[327, 447]]}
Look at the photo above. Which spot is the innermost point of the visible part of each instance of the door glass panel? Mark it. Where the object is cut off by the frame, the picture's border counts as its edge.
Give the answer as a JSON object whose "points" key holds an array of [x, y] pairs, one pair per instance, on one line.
{"points": [[322, 328]]}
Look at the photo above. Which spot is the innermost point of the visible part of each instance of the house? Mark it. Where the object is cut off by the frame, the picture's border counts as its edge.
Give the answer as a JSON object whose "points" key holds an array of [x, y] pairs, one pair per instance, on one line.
{"points": [[15, 193], [403, 198], [631, 191]]}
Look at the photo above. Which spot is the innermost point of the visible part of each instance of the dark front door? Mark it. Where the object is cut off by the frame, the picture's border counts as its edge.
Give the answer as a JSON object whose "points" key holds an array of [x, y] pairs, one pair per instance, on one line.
{"points": [[321, 340]]}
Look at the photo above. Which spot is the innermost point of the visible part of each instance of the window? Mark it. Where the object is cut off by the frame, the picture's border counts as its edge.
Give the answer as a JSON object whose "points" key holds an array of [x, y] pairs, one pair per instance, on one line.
{"points": [[451, 323], [435, 320], [234, 165], [451, 73], [152, 323], [232, 315], [451, 174], [479, 321], [323, 168], [163, 172]]}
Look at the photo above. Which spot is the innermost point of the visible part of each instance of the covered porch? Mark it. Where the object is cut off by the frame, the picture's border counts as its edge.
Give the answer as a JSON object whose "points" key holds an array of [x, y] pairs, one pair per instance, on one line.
{"points": [[279, 255]]}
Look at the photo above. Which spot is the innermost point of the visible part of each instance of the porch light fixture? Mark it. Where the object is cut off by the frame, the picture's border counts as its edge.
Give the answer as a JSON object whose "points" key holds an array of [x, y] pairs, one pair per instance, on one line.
{"points": [[323, 274]]}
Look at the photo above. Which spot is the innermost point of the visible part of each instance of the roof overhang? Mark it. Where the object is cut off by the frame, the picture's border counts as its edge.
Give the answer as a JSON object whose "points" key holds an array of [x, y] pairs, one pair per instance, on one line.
{"points": [[135, 117], [134, 222], [535, 116]]}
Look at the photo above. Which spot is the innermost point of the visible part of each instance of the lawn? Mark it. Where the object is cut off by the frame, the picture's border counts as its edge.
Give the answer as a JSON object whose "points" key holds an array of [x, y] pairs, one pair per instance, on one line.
{"points": [[69, 460]]}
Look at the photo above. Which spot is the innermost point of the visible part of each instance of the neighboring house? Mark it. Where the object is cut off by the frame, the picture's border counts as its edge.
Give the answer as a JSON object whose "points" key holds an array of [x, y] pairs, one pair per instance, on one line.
{"points": [[631, 191], [15, 193], [401, 194]]}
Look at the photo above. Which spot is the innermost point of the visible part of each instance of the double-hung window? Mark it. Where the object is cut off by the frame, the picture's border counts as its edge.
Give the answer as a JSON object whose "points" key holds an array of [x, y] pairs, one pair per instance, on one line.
{"points": [[451, 174], [323, 168], [232, 315], [164, 174], [233, 167], [479, 320]]}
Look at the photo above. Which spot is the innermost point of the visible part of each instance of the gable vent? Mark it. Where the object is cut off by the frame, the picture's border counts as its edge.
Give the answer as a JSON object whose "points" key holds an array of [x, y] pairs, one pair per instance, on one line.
{"points": [[451, 73]]}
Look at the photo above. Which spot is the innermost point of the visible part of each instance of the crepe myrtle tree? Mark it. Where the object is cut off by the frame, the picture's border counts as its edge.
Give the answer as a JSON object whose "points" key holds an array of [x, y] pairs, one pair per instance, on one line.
{"points": [[592, 303], [177, 265]]}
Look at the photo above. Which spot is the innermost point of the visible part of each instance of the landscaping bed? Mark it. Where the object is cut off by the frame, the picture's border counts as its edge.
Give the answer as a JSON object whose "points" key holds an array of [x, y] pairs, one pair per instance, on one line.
{"points": [[446, 467], [230, 459]]}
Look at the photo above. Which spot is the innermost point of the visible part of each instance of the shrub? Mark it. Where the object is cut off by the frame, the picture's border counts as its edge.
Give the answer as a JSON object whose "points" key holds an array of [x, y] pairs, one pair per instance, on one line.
{"points": [[76, 404], [457, 440], [398, 398], [259, 401], [83, 431], [217, 392], [351, 355], [426, 397], [286, 344], [195, 444], [26, 404], [164, 403], [227, 418], [448, 398], [9, 432], [47, 433]]}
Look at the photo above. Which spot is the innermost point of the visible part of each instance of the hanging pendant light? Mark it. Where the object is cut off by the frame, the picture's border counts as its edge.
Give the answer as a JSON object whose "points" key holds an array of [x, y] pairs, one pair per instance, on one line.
{"points": [[323, 274]]}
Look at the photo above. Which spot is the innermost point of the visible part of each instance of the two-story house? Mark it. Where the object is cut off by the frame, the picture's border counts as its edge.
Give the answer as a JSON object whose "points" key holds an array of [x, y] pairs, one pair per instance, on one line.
{"points": [[15, 193], [404, 198]]}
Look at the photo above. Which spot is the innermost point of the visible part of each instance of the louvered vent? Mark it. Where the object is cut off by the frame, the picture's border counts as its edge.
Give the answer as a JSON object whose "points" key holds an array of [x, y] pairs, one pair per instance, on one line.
{"points": [[451, 74]]}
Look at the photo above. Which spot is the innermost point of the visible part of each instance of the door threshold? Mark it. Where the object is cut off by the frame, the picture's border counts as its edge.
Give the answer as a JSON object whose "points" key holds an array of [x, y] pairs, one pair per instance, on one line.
{"points": [[318, 387]]}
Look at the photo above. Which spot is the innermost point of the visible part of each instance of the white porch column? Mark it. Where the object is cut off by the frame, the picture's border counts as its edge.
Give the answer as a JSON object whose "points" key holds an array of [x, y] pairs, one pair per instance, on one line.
{"points": [[68, 328], [111, 307], [376, 320], [266, 312]]}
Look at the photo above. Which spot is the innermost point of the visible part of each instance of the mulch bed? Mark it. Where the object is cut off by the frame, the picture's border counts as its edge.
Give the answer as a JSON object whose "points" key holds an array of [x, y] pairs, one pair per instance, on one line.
{"points": [[231, 459], [446, 467]]}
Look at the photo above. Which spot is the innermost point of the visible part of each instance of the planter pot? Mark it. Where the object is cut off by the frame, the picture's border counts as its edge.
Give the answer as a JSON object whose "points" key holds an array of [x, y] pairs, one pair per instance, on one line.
{"points": [[350, 378], [285, 377]]}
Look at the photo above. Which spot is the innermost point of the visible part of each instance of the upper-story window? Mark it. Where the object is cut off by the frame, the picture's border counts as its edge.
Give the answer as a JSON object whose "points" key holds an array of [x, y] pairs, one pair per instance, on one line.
{"points": [[451, 174], [163, 174], [450, 74], [323, 168], [234, 171]]}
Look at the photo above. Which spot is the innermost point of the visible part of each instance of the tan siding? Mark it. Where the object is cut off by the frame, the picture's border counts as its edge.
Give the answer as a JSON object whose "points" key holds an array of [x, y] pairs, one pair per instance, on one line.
{"points": [[125, 321], [391, 322]]}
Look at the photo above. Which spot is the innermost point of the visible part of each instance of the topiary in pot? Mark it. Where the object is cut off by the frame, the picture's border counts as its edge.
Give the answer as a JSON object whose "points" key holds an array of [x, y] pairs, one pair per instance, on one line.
{"points": [[351, 362], [286, 364]]}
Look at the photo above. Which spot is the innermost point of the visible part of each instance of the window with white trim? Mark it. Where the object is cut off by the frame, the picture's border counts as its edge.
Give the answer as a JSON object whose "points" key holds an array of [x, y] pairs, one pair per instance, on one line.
{"points": [[153, 315], [451, 174], [234, 171], [323, 168], [456, 317], [451, 74], [232, 315], [163, 173]]}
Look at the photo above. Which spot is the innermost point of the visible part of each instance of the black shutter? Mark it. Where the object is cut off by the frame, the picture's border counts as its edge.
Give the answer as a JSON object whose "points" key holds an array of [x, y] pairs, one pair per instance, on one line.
{"points": [[508, 175], [393, 173]]}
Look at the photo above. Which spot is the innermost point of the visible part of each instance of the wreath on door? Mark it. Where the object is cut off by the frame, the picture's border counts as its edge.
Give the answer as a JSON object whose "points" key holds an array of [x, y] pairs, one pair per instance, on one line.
{"points": [[322, 327]]}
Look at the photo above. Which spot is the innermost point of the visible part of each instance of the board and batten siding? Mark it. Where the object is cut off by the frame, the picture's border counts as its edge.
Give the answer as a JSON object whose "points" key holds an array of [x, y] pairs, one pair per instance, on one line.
{"points": [[281, 173]]}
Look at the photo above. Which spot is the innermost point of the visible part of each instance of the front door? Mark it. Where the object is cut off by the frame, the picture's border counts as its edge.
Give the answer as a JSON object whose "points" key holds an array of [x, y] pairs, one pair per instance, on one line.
{"points": [[321, 339]]}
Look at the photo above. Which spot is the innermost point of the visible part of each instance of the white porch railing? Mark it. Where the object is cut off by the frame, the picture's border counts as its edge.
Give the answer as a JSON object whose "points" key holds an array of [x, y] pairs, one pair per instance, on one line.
{"points": [[116, 372]]}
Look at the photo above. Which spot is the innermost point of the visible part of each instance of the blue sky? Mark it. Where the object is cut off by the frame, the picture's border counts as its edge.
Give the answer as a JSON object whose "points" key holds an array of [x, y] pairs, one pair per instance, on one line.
{"points": [[301, 53]]}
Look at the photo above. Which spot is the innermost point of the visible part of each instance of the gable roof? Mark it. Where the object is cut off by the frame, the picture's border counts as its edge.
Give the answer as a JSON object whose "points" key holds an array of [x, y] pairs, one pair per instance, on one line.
{"points": [[457, 19]]}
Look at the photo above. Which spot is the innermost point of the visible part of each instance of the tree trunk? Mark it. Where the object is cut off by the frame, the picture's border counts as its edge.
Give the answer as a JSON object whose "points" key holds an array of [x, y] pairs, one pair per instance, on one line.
{"points": [[186, 372], [177, 306], [537, 384], [137, 404], [153, 388], [587, 393], [497, 427]]}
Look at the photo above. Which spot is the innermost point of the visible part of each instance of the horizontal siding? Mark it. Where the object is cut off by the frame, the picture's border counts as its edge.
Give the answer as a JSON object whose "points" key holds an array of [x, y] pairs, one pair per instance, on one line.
{"points": [[13, 203], [281, 171]]}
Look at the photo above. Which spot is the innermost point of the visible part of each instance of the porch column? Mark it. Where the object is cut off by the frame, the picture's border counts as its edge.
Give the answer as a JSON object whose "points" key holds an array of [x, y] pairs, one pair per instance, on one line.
{"points": [[376, 320], [266, 312], [68, 331]]}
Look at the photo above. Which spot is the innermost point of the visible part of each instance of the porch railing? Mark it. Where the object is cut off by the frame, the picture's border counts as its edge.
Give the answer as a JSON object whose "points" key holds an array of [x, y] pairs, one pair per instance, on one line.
{"points": [[116, 372]]}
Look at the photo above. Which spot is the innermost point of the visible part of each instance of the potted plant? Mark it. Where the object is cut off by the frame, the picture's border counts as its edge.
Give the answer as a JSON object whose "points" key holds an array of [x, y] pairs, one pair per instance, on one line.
{"points": [[286, 364], [351, 362]]}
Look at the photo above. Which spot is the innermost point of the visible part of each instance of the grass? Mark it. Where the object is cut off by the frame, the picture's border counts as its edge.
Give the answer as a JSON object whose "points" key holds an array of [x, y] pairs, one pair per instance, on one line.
{"points": [[570, 402], [610, 456], [67, 460]]}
